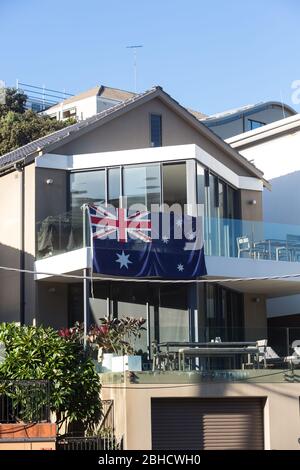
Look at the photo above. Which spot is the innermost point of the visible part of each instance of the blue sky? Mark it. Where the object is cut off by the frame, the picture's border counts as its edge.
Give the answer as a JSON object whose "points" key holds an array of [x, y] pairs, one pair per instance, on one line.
{"points": [[209, 55]]}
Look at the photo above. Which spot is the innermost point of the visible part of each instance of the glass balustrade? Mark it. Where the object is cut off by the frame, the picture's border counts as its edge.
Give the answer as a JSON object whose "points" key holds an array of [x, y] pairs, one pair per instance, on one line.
{"points": [[222, 237]]}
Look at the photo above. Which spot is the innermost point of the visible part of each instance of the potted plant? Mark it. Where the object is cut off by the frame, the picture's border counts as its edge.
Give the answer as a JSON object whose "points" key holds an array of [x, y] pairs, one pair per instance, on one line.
{"points": [[114, 339]]}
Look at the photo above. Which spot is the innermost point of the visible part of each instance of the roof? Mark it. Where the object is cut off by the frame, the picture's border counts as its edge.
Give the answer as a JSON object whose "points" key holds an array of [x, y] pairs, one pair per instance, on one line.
{"points": [[52, 141], [267, 132], [99, 90], [115, 93], [235, 113], [197, 114]]}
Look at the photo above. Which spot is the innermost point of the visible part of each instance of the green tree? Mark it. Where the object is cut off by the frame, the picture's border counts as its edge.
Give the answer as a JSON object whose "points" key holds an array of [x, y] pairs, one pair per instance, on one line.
{"points": [[15, 101], [41, 353], [19, 126]]}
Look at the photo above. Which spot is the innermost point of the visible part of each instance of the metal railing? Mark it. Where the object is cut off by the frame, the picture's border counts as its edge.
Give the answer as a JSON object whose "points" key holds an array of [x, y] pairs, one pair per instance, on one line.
{"points": [[89, 443], [25, 401], [108, 420]]}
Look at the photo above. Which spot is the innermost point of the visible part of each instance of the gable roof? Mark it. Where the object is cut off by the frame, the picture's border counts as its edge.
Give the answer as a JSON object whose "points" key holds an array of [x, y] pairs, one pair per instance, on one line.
{"points": [[28, 152], [99, 90]]}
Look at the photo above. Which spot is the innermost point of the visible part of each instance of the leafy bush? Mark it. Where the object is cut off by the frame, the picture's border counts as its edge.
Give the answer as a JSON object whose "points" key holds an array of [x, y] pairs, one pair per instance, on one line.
{"points": [[41, 353]]}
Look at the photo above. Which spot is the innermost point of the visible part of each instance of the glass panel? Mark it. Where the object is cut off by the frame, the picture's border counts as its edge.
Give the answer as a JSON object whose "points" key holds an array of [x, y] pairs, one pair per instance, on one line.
{"points": [[129, 300], [114, 190], [173, 314], [155, 124], [87, 187], [142, 185], [174, 184], [98, 303], [200, 190]]}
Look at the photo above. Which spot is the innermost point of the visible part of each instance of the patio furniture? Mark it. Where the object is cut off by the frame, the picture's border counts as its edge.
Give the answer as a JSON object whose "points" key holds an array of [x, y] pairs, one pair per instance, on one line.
{"points": [[256, 250], [216, 351], [293, 246]]}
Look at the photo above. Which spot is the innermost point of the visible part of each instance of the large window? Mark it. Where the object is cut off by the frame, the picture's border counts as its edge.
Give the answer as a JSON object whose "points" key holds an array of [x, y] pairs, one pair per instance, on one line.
{"points": [[173, 313], [218, 201], [139, 184], [224, 314], [142, 185], [155, 130], [87, 187], [174, 184]]}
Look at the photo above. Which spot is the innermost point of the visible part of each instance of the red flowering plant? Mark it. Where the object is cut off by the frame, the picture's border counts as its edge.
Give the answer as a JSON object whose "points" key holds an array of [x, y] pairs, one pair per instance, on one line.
{"points": [[73, 333], [116, 335]]}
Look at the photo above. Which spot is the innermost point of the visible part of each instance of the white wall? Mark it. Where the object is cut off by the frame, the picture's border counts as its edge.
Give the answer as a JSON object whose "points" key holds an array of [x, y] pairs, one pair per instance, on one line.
{"points": [[276, 157]]}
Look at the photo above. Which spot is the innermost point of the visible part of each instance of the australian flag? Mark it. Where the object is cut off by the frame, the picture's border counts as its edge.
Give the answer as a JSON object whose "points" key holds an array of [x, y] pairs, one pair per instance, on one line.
{"points": [[146, 244]]}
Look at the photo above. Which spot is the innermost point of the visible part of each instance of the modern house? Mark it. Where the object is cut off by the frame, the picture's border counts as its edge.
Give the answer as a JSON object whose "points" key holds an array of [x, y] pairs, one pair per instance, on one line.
{"points": [[239, 120], [150, 149]]}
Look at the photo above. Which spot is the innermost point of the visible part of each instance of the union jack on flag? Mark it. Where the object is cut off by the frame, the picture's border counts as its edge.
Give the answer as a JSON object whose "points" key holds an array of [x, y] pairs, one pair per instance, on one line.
{"points": [[105, 223]]}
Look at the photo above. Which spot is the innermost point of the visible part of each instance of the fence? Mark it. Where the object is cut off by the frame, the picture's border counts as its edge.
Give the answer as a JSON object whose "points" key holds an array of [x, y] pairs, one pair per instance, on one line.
{"points": [[24, 400], [104, 440], [89, 443]]}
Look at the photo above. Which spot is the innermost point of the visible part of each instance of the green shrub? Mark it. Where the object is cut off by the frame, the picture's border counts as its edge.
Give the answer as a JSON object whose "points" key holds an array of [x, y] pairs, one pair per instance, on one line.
{"points": [[41, 353]]}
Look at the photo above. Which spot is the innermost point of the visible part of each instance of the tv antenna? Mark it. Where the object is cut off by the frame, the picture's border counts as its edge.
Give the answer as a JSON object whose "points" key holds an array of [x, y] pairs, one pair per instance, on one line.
{"points": [[134, 48]]}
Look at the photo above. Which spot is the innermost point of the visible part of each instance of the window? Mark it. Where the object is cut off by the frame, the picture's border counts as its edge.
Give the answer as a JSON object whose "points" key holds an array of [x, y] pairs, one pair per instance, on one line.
{"points": [[174, 184], [173, 313], [142, 185], [114, 189], [255, 124], [87, 187], [69, 113], [155, 130], [224, 314]]}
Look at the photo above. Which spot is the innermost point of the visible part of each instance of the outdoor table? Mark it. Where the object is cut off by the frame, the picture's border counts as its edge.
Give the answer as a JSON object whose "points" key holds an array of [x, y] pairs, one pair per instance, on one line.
{"points": [[221, 351]]}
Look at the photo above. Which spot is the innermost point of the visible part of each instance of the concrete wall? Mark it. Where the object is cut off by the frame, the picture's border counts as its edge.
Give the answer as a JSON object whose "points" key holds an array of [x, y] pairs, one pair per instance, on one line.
{"points": [[250, 211], [255, 317], [281, 427], [277, 156], [9, 246], [132, 131], [52, 300]]}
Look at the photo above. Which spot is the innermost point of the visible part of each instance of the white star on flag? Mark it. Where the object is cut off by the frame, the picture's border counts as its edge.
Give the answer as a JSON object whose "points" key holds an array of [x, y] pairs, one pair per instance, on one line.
{"points": [[165, 239], [179, 222], [123, 260], [191, 235], [180, 267]]}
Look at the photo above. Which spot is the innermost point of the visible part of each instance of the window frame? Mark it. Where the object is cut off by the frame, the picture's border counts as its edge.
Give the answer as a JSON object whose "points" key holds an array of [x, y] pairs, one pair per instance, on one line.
{"points": [[150, 129]]}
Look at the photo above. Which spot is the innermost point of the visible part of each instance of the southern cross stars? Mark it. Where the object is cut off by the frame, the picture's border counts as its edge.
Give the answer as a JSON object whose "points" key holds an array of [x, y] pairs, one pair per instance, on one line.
{"points": [[123, 260], [180, 267]]}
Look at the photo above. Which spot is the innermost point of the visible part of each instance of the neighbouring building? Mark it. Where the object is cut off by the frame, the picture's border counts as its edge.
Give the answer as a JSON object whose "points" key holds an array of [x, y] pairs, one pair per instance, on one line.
{"points": [[88, 103], [239, 120], [275, 149], [148, 149]]}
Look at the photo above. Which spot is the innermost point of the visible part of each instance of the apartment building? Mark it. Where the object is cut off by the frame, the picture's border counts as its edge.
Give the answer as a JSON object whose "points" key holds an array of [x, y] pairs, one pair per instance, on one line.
{"points": [[147, 149]]}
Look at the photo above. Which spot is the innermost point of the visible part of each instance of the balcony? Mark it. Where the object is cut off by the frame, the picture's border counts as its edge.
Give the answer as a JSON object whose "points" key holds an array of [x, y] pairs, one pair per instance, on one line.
{"points": [[274, 357], [230, 238]]}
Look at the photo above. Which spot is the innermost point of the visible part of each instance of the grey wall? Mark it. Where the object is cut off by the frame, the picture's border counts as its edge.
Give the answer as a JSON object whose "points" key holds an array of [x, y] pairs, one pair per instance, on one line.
{"points": [[131, 131]]}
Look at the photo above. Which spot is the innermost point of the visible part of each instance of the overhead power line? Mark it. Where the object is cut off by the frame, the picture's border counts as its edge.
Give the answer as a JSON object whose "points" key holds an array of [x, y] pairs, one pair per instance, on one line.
{"points": [[150, 280]]}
